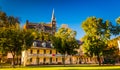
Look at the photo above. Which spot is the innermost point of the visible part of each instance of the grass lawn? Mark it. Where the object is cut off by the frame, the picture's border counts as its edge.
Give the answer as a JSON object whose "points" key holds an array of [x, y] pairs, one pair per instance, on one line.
{"points": [[70, 67]]}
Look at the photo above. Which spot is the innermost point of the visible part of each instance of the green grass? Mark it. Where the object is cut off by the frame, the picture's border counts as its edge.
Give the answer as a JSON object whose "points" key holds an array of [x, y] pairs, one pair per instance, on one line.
{"points": [[67, 67]]}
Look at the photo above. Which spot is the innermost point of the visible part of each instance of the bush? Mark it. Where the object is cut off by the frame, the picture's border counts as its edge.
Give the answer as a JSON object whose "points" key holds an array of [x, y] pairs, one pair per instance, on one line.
{"points": [[59, 62], [109, 61]]}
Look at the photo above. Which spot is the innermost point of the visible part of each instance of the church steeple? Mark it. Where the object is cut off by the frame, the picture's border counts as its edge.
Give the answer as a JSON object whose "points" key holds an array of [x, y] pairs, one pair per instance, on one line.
{"points": [[53, 21], [53, 16]]}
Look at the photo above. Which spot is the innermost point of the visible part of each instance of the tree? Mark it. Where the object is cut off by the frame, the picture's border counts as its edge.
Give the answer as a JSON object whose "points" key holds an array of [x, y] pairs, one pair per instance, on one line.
{"points": [[13, 21], [44, 36], [14, 41], [27, 38], [2, 52], [8, 24], [11, 41], [96, 37], [118, 20], [12, 38], [113, 45], [64, 42], [115, 30], [3, 19]]}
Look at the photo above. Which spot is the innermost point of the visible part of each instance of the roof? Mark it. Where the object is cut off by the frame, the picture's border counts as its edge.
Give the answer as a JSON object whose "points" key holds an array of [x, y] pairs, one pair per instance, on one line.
{"points": [[39, 26], [44, 44], [79, 42]]}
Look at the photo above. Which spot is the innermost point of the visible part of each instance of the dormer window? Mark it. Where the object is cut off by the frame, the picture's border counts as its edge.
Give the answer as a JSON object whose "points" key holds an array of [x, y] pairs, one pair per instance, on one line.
{"points": [[35, 44], [44, 44], [51, 45]]}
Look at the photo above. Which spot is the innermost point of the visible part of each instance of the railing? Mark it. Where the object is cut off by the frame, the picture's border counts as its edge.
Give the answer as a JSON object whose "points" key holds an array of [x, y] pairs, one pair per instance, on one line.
{"points": [[45, 55]]}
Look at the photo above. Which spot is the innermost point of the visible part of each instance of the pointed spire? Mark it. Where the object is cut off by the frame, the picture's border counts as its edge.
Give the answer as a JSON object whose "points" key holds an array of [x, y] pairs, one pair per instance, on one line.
{"points": [[53, 16]]}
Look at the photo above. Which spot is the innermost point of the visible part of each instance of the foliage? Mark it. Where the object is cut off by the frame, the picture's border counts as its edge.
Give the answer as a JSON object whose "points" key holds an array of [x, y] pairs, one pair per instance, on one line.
{"points": [[13, 39], [97, 36], [66, 37], [44, 36], [8, 21], [118, 20], [64, 41], [27, 38], [115, 30], [113, 48], [3, 19]]}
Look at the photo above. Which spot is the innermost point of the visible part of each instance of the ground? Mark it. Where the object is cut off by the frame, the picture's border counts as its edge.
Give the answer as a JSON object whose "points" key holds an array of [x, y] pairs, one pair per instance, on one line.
{"points": [[70, 67]]}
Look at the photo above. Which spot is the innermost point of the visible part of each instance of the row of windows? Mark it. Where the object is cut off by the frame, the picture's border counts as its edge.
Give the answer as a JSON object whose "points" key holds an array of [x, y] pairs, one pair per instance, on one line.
{"points": [[44, 60], [31, 51]]}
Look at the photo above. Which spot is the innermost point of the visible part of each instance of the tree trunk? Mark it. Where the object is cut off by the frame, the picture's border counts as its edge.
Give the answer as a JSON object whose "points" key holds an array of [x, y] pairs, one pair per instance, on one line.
{"points": [[13, 61], [99, 61], [17, 60], [64, 60], [70, 59], [0, 61]]}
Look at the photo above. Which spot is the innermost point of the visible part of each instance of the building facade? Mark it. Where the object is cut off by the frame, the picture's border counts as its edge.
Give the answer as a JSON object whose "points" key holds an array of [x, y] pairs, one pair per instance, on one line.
{"points": [[48, 55], [40, 55]]}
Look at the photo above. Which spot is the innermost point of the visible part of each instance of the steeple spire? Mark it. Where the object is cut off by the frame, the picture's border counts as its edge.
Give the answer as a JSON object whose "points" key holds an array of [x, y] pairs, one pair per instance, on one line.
{"points": [[53, 16]]}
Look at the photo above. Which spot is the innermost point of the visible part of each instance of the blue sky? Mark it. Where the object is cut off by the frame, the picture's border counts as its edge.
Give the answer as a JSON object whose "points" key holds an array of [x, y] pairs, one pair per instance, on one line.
{"points": [[71, 12]]}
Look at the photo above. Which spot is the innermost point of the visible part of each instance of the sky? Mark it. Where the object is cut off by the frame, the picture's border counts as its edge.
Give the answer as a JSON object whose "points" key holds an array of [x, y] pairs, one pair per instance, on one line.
{"points": [[70, 12]]}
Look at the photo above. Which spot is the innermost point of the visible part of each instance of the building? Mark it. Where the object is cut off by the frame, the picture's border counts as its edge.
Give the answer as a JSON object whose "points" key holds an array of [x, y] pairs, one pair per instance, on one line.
{"points": [[46, 55], [45, 27]]}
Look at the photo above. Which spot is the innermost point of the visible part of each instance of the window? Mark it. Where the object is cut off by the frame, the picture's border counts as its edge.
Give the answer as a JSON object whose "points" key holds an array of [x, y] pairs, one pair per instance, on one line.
{"points": [[63, 60], [44, 51], [56, 59], [30, 59], [50, 51], [37, 51], [50, 60], [31, 51], [56, 52], [44, 60], [37, 60], [35, 44]]}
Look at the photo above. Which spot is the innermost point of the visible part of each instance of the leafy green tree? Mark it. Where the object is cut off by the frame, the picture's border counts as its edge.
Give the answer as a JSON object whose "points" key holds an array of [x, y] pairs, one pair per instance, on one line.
{"points": [[3, 19], [97, 34], [12, 38], [27, 38], [8, 21], [13, 21], [113, 45], [64, 42], [14, 41], [2, 52], [115, 30], [11, 41], [118, 20]]}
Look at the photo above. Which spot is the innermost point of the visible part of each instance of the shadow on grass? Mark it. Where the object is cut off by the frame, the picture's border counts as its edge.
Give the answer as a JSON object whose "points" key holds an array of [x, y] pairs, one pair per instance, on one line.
{"points": [[70, 69], [82, 65]]}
